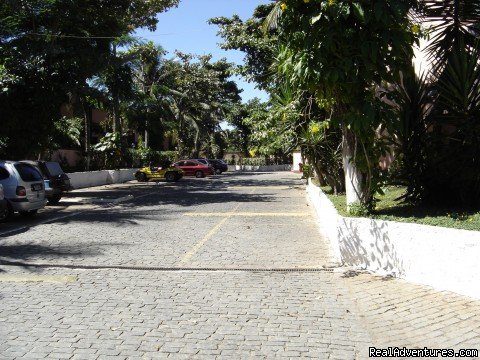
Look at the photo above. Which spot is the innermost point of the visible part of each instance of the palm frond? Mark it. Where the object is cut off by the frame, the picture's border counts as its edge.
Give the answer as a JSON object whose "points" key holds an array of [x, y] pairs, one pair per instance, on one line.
{"points": [[271, 21], [459, 85], [452, 21]]}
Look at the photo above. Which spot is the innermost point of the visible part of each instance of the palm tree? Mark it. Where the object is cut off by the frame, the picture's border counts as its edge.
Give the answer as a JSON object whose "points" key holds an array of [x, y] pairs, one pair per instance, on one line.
{"points": [[452, 22]]}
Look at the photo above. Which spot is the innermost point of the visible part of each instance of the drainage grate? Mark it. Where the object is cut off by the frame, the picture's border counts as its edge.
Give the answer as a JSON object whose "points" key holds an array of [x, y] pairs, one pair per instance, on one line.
{"points": [[154, 268]]}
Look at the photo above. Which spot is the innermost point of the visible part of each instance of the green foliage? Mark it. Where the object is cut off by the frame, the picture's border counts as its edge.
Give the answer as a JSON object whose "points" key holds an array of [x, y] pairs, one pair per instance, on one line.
{"points": [[49, 50], [247, 37], [145, 156], [201, 95], [408, 131], [452, 173], [358, 210], [389, 206], [110, 147], [307, 171], [338, 52], [338, 49], [437, 131], [452, 22]]}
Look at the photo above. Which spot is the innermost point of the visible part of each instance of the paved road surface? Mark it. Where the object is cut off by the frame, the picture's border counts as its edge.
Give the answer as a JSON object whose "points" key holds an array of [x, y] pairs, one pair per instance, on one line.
{"points": [[232, 267]]}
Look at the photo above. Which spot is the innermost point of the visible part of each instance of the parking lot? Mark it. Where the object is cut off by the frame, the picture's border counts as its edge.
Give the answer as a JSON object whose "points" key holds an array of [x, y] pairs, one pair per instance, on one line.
{"points": [[229, 266]]}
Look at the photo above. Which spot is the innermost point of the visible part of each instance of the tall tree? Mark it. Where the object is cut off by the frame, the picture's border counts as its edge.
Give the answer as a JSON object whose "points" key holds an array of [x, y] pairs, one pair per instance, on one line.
{"points": [[338, 50], [202, 94], [247, 36], [49, 49]]}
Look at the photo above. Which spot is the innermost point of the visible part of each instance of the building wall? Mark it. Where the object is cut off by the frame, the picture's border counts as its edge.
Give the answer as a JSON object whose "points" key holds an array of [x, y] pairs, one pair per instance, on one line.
{"points": [[297, 159]]}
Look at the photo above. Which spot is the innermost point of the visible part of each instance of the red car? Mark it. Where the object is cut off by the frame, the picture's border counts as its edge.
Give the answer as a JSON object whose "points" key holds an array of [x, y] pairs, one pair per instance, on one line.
{"points": [[194, 168]]}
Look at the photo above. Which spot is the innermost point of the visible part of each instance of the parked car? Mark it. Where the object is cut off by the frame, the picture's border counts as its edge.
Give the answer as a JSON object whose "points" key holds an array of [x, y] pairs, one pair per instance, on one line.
{"points": [[203, 161], [23, 188], [217, 168], [169, 173], [219, 165], [194, 168], [55, 180], [3, 205]]}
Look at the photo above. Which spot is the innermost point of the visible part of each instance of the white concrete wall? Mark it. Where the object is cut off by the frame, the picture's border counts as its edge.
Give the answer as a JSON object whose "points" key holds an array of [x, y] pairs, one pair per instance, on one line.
{"points": [[265, 168], [297, 159], [327, 217], [102, 177], [444, 258]]}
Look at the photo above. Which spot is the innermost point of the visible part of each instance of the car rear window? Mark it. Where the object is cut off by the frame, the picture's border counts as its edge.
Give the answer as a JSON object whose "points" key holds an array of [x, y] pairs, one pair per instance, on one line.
{"points": [[4, 174], [54, 168], [28, 173]]}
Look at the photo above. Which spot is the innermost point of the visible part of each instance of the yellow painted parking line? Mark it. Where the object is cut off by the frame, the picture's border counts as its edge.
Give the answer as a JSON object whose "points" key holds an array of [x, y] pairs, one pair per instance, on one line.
{"points": [[202, 242], [207, 237], [212, 232], [37, 278], [247, 214]]}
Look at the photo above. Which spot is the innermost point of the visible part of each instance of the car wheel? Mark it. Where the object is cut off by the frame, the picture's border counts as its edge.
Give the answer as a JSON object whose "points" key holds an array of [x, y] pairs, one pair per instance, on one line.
{"points": [[28, 213], [218, 171], [55, 199], [6, 213], [170, 176], [141, 177], [199, 174]]}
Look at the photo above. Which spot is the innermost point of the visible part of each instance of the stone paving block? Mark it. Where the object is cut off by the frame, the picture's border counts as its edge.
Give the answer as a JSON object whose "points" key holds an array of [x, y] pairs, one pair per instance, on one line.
{"points": [[192, 314]]}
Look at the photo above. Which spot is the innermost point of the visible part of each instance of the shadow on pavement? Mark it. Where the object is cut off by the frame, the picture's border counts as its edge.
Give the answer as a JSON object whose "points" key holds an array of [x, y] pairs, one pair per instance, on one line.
{"points": [[194, 196], [188, 192], [19, 254]]}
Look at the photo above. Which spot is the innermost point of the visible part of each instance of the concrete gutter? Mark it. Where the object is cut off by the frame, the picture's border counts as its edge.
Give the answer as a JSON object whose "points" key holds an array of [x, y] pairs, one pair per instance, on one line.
{"points": [[444, 258]]}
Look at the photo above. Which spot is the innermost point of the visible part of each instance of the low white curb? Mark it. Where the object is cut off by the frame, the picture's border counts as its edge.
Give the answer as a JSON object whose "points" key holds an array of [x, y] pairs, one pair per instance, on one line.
{"points": [[444, 258], [103, 177], [260, 168]]}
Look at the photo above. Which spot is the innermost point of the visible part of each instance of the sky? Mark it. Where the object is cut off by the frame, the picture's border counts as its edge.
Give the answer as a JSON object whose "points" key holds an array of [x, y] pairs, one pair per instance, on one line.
{"points": [[186, 29]]}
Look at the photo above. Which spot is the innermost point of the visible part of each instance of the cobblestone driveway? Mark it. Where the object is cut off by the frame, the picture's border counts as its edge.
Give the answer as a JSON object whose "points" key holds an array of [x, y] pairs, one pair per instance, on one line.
{"points": [[228, 267]]}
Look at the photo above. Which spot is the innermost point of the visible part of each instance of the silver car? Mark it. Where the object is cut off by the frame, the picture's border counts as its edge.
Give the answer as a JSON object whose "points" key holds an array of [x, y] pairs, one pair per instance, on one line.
{"points": [[3, 205], [23, 188]]}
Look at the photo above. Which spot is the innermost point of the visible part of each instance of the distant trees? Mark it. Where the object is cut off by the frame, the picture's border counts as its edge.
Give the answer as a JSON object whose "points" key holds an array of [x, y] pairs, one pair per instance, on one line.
{"points": [[49, 52], [56, 53]]}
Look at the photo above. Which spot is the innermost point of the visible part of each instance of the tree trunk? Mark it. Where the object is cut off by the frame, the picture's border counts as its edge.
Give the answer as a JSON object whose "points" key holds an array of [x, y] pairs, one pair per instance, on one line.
{"points": [[87, 113], [146, 142], [117, 126], [353, 177], [196, 144], [180, 143]]}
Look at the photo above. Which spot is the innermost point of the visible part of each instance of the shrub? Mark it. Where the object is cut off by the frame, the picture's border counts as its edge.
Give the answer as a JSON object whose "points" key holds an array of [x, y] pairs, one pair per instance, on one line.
{"points": [[145, 156]]}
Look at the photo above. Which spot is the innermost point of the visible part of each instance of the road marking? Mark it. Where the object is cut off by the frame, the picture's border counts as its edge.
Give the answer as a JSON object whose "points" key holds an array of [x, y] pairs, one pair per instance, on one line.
{"points": [[110, 201], [247, 214], [202, 242], [37, 278], [212, 232]]}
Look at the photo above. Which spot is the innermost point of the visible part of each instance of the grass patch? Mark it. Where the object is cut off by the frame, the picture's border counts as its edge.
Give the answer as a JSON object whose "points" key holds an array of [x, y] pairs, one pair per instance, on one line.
{"points": [[388, 208]]}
